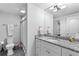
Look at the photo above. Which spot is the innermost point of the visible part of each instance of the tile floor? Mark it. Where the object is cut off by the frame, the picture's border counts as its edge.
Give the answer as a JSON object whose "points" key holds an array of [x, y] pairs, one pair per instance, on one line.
{"points": [[18, 51]]}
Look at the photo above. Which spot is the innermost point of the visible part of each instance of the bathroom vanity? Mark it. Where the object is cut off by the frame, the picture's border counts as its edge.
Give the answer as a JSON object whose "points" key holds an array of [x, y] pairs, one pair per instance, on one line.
{"points": [[52, 46]]}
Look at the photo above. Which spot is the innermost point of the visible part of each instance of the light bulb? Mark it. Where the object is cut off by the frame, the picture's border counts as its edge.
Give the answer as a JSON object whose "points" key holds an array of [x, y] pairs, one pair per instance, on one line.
{"points": [[51, 8], [62, 7], [23, 11], [54, 10]]}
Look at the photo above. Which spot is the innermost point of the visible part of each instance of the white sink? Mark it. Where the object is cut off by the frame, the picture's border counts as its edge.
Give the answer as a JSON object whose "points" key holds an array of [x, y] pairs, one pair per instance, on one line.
{"points": [[52, 40]]}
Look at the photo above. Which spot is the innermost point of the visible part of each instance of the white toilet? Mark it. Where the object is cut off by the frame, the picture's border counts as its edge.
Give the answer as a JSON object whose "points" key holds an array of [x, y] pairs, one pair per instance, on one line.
{"points": [[10, 38], [10, 46]]}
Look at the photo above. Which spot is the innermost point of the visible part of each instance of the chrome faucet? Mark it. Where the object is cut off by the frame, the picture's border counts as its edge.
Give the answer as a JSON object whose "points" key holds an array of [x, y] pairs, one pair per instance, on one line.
{"points": [[48, 30], [39, 30]]}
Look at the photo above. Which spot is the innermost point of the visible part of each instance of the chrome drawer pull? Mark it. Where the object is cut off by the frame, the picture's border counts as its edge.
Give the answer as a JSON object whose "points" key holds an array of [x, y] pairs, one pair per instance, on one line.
{"points": [[48, 52], [70, 55]]}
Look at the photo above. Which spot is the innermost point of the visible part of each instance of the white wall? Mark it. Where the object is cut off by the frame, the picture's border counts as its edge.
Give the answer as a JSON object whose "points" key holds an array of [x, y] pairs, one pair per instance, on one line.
{"points": [[8, 19], [24, 35], [17, 34], [48, 22], [69, 25], [56, 27], [36, 18]]}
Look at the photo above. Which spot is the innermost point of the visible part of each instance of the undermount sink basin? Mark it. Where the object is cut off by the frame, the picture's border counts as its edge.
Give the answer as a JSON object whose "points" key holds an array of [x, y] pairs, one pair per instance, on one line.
{"points": [[73, 45], [52, 40]]}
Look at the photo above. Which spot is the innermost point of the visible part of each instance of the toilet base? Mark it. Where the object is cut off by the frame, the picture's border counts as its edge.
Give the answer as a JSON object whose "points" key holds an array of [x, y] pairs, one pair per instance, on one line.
{"points": [[9, 47], [10, 52]]}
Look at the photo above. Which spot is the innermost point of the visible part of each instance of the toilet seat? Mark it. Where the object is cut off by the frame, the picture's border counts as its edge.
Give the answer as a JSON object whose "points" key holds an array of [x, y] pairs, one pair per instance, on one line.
{"points": [[10, 49], [9, 45]]}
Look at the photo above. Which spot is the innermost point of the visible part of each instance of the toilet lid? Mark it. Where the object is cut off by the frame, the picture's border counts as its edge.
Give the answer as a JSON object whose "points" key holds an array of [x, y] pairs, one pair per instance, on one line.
{"points": [[9, 45]]}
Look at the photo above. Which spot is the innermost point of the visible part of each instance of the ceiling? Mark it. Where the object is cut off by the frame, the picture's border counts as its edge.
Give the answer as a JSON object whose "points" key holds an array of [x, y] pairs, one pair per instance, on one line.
{"points": [[42, 5], [12, 8], [71, 8]]}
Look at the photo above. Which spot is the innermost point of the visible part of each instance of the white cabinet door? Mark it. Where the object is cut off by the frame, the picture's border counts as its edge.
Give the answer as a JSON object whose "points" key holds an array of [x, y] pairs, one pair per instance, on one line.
{"points": [[38, 51], [43, 51], [67, 52], [38, 47], [50, 49], [47, 52], [47, 49], [55, 50], [38, 43], [48, 22]]}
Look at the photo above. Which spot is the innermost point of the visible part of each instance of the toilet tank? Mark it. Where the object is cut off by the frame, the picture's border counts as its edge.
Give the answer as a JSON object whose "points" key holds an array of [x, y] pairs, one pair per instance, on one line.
{"points": [[10, 40]]}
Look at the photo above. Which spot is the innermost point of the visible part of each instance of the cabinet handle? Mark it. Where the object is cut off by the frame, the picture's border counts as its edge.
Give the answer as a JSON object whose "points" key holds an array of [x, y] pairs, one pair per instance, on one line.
{"points": [[70, 55], [48, 52]]}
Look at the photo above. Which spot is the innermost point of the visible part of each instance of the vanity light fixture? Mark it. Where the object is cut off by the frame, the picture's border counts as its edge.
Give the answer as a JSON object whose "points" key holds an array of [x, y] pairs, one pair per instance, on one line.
{"points": [[23, 19], [23, 11], [54, 10], [56, 7]]}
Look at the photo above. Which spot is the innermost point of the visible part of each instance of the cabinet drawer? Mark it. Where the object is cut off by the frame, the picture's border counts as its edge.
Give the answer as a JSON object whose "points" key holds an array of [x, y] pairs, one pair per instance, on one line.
{"points": [[67, 52]]}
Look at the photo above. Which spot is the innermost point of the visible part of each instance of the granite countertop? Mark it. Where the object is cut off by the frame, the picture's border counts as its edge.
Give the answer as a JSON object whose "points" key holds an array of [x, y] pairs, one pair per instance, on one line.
{"points": [[74, 46]]}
